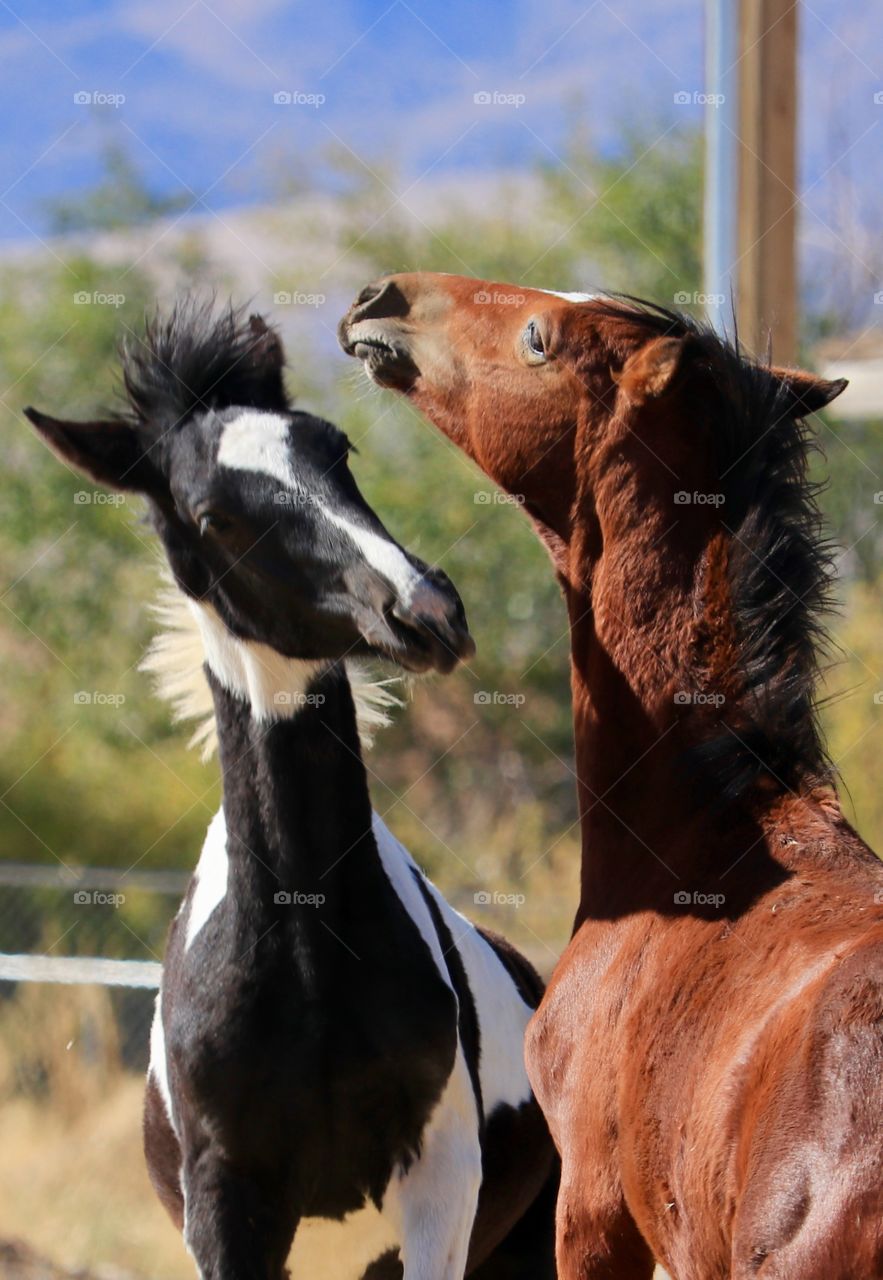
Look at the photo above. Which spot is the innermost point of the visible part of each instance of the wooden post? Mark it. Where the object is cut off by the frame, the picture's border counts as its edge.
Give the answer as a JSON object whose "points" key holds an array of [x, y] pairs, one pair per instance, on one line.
{"points": [[766, 302]]}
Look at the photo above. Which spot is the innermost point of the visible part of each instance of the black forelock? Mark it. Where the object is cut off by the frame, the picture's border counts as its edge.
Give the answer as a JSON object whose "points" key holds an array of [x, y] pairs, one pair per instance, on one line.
{"points": [[780, 562], [199, 356]]}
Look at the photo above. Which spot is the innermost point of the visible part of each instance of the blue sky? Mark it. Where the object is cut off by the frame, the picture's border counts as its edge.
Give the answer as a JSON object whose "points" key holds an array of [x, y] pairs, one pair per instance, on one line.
{"points": [[397, 79]]}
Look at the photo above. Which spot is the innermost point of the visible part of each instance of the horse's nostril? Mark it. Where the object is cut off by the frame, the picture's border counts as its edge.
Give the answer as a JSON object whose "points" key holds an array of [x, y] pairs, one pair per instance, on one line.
{"points": [[378, 301], [368, 293]]}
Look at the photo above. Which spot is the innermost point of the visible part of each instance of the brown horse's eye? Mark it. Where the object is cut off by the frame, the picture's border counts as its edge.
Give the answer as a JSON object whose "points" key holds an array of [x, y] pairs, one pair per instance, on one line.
{"points": [[533, 345]]}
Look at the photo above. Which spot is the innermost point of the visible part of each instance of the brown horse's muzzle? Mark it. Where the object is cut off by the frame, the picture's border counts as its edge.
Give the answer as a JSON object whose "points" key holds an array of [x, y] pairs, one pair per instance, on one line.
{"points": [[375, 332]]}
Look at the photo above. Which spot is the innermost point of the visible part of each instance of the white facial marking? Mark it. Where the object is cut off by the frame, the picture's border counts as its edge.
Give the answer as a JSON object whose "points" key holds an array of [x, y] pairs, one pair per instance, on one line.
{"points": [[571, 297], [210, 885], [274, 686], [258, 441]]}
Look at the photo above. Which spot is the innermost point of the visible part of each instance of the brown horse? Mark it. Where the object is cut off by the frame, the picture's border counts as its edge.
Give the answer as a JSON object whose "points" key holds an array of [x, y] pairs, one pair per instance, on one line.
{"points": [[709, 1053]]}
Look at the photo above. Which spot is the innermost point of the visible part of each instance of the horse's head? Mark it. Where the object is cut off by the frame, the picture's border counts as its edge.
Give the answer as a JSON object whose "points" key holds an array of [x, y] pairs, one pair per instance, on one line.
{"points": [[259, 514], [545, 390]]}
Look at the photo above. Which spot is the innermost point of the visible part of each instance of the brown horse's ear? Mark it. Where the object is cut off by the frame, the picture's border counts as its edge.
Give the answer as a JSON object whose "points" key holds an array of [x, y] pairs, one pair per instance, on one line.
{"points": [[651, 370], [807, 392], [107, 451]]}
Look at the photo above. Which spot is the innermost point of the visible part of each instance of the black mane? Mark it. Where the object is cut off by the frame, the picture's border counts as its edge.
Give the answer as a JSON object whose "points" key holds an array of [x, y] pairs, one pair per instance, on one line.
{"points": [[198, 357], [780, 563]]}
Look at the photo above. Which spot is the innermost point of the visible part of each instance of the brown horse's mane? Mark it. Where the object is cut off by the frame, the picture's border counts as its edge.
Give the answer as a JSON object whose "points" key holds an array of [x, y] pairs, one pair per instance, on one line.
{"points": [[780, 561]]}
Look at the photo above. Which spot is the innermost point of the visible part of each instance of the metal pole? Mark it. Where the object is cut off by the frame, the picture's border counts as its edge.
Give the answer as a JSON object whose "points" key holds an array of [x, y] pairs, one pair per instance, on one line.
{"points": [[720, 240]]}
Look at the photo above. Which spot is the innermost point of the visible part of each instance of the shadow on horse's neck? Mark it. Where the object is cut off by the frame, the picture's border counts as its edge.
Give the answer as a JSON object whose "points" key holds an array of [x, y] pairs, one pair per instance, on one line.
{"points": [[651, 828], [296, 799]]}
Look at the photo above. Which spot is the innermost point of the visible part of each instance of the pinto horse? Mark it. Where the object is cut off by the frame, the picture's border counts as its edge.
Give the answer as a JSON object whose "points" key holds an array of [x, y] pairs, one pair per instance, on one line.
{"points": [[334, 1047], [709, 1052]]}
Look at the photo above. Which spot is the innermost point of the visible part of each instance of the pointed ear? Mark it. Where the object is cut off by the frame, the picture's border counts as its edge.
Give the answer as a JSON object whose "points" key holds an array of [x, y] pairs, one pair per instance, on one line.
{"points": [[109, 452], [266, 357], [651, 370], [807, 392]]}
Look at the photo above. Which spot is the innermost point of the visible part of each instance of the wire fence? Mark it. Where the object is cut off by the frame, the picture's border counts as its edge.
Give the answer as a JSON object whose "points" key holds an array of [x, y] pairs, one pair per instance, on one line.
{"points": [[80, 963]]}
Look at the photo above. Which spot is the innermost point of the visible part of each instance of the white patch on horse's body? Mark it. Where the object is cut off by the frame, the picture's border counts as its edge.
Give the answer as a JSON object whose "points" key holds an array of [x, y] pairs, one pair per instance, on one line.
{"points": [[274, 686], [502, 1014], [433, 1204], [175, 661], [158, 1066], [259, 442], [210, 880]]}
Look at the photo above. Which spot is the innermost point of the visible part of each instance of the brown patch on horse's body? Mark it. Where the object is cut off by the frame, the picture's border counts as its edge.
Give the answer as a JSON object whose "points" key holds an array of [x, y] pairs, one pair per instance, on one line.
{"points": [[709, 1052]]}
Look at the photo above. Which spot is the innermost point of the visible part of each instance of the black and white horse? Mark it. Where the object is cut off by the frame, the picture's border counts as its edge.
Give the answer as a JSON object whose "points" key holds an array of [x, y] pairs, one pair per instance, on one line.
{"points": [[333, 1043]]}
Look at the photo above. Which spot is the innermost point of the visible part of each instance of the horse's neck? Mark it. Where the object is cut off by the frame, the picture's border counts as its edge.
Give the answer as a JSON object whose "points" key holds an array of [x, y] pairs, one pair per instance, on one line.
{"points": [[296, 801], [633, 655]]}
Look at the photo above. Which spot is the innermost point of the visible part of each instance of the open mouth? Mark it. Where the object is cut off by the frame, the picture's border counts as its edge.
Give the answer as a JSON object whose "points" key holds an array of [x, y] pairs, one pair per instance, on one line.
{"points": [[385, 360]]}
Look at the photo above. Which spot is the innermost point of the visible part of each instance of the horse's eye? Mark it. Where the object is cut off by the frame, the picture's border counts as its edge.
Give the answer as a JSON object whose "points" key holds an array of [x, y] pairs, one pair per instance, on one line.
{"points": [[212, 522], [534, 347]]}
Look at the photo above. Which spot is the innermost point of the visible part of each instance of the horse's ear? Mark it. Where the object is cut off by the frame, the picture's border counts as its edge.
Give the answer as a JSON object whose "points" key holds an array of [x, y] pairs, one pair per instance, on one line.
{"points": [[109, 451], [652, 369], [267, 357], [806, 392]]}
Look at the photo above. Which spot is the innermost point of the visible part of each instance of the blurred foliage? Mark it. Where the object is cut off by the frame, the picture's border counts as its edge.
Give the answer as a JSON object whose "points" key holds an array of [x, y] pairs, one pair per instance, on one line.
{"points": [[120, 200], [481, 791]]}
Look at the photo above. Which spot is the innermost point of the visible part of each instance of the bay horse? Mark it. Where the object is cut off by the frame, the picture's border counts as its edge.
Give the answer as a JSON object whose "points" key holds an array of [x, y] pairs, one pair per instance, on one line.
{"points": [[334, 1047], [709, 1052]]}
